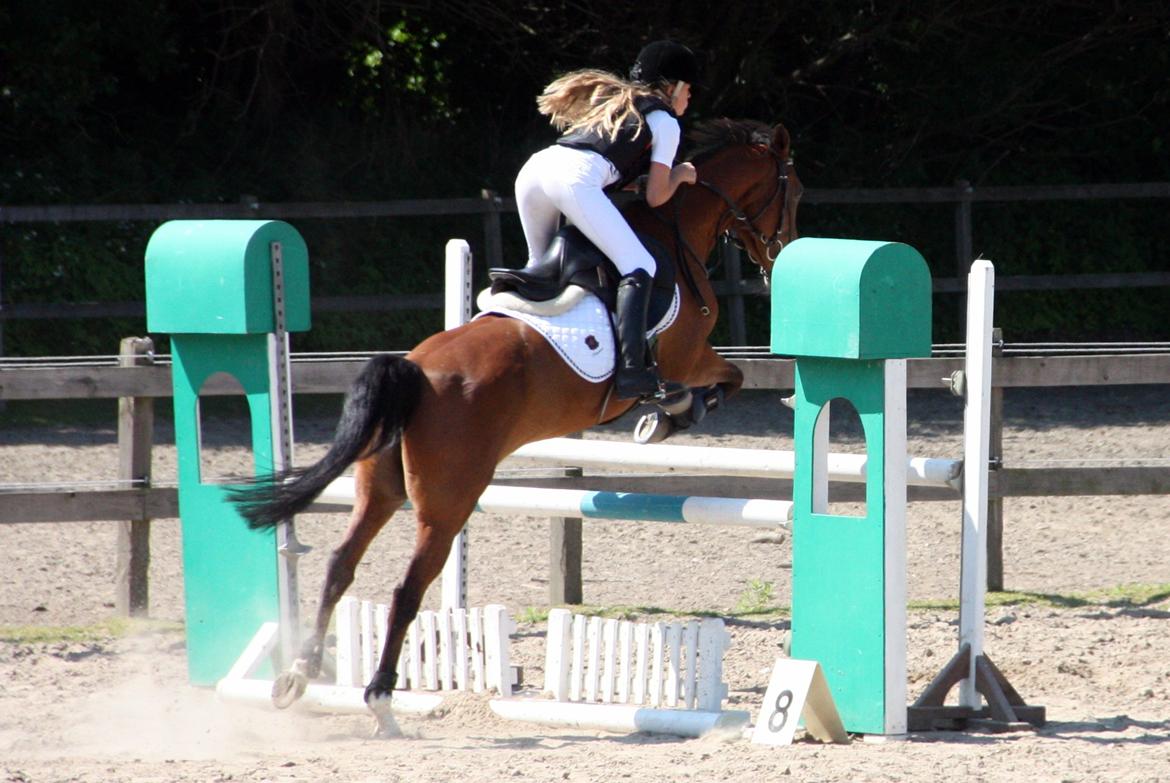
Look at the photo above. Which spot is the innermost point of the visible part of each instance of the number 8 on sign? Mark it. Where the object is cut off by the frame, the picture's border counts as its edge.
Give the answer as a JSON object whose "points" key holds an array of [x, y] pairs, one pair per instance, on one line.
{"points": [[783, 702], [798, 690]]}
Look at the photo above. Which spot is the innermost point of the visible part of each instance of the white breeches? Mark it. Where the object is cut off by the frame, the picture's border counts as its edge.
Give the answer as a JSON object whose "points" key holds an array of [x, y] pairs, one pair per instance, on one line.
{"points": [[563, 180]]}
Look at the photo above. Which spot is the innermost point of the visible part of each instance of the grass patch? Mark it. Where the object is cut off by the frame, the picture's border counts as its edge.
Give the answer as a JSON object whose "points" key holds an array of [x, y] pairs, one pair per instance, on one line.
{"points": [[111, 628], [533, 615], [749, 607], [756, 597], [1133, 595], [625, 612], [1120, 596], [618, 612]]}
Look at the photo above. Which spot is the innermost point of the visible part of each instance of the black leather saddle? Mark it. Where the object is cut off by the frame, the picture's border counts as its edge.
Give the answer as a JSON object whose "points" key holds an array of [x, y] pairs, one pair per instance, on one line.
{"points": [[572, 259]]}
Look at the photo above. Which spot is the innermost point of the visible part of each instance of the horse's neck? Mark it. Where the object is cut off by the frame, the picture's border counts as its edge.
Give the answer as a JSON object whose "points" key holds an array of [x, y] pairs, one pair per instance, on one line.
{"points": [[699, 220]]}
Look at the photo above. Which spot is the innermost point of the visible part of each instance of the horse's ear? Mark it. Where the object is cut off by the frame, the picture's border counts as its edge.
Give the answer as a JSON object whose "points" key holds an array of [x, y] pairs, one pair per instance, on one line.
{"points": [[781, 142]]}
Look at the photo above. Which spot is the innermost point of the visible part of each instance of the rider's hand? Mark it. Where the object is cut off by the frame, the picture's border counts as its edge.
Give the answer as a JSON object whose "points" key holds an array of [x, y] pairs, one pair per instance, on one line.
{"points": [[684, 172]]}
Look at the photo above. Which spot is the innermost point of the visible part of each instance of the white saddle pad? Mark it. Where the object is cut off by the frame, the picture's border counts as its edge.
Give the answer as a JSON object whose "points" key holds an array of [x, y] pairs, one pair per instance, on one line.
{"points": [[582, 335]]}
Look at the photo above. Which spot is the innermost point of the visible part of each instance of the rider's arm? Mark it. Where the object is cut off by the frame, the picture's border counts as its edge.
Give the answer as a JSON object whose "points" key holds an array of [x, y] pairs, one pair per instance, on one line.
{"points": [[665, 179]]}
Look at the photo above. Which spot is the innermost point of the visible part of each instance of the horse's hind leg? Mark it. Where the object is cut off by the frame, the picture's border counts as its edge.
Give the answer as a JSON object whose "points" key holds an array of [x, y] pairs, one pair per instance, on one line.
{"points": [[379, 492]]}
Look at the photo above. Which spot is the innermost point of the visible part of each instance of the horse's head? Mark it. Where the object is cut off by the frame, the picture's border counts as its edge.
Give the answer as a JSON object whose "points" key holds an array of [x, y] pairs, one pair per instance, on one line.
{"points": [[749, 166]]}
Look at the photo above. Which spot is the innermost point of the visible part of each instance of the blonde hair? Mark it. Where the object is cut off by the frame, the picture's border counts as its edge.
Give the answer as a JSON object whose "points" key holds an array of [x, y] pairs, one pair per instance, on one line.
{"points": [[591, 100]]}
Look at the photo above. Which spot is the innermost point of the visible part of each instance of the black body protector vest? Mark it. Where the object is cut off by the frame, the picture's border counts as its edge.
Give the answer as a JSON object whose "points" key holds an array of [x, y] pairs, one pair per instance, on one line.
{"points": [[629, 152]]}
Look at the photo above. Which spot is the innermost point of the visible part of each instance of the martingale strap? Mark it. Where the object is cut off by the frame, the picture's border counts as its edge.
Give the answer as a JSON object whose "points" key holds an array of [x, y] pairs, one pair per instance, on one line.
{"points": [[682, 247]]}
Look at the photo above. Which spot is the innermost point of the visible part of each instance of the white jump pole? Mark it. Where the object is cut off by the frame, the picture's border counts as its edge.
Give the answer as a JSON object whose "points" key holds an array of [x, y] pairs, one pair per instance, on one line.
{"points": [[725, 461], [456, 312], [976, 446], [619, 718]]}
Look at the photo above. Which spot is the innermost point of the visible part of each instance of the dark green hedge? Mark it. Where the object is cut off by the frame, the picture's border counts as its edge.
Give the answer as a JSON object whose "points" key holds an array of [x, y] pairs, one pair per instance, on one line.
{"points": [[315, 100]]}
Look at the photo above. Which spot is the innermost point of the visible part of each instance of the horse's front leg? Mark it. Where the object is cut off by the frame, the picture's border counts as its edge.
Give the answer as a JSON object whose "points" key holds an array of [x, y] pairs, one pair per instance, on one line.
{"points": [[711, 369], [713, 379]]}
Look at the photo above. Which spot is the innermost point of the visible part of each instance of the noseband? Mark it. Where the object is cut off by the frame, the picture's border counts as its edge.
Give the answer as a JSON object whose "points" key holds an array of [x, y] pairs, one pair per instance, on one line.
{"points": [[769, 243]]}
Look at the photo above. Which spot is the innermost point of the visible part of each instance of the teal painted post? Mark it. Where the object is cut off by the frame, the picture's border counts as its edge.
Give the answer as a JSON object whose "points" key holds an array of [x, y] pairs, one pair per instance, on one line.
{"points": [[845, 610], [210, 284], [229, 572], [851, 312]]}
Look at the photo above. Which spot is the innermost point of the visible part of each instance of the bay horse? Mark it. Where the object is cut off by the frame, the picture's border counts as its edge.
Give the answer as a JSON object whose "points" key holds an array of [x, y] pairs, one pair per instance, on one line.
{"points": [[432, 426]]}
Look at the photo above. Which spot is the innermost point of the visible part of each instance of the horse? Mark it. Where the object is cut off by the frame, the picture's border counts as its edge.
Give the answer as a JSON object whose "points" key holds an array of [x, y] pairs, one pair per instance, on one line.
{"points": [[432, 426]]}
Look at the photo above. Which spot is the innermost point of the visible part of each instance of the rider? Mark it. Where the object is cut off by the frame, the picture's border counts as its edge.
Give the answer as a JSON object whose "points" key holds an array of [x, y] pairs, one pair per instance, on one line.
{"points": [[615, 130]]}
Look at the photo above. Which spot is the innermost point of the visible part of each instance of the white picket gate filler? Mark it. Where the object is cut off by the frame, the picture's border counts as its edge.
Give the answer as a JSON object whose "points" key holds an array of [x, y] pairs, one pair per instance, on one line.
{"points": [[445, 651], [621, 676]]}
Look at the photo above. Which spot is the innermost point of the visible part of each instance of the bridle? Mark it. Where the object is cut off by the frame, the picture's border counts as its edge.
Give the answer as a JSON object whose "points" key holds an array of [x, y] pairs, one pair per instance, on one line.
{"points": [[740, 220]]}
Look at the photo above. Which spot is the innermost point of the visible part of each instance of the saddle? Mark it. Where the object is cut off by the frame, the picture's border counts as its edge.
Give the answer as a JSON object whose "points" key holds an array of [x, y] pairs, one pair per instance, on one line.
{"points": [[572, 259]]}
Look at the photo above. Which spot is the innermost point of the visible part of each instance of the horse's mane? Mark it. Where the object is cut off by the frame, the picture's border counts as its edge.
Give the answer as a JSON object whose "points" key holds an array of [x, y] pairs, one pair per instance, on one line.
{"points": [[709, 137]]}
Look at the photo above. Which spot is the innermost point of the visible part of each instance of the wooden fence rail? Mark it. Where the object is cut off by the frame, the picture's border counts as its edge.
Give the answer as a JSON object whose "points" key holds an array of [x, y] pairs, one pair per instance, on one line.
{"points": [[333, 376], [491, 206]]}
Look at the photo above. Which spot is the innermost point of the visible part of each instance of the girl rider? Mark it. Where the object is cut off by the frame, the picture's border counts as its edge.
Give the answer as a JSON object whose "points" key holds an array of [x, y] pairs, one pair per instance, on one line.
{"points": [[614, 131]]}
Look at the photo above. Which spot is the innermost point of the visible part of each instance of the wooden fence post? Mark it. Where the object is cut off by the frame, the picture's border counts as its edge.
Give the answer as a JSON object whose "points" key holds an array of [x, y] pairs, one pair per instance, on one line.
{"points": [[492, 233], [564, 563], [964, 254], [995, 457], [3, 404], [135, 437], [964, 244], [734, 276]]}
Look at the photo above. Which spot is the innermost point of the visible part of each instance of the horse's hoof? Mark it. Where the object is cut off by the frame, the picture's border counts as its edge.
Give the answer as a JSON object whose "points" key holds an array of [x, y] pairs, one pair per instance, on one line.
{"points": [[385, 726], [290, 685], [378, 695], [653, 428]]}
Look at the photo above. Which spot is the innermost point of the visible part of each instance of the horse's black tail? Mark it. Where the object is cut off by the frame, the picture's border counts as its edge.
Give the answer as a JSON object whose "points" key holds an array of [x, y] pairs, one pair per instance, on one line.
{"points": [[377, 407]]}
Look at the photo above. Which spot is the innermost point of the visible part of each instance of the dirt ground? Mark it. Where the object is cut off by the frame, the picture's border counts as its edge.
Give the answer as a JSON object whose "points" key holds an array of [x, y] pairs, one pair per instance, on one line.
{"points": [[119, 709]]}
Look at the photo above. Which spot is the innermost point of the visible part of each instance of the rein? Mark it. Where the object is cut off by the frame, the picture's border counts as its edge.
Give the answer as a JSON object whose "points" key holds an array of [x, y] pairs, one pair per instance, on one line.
{"points": [[682, 247]]}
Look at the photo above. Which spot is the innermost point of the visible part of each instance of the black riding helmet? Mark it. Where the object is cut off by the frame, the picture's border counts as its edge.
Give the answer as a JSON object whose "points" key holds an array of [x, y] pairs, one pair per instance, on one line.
{"points": [[665, 61]]}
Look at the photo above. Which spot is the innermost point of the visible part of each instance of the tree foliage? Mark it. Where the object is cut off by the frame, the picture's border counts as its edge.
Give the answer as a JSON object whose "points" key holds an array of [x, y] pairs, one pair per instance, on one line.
{"points": [[920, 92], [164, 100]]}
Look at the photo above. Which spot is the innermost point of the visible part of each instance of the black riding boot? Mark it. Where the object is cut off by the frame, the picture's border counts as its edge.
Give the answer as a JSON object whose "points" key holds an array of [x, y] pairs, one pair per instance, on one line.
{"points": [[636, 377]]}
